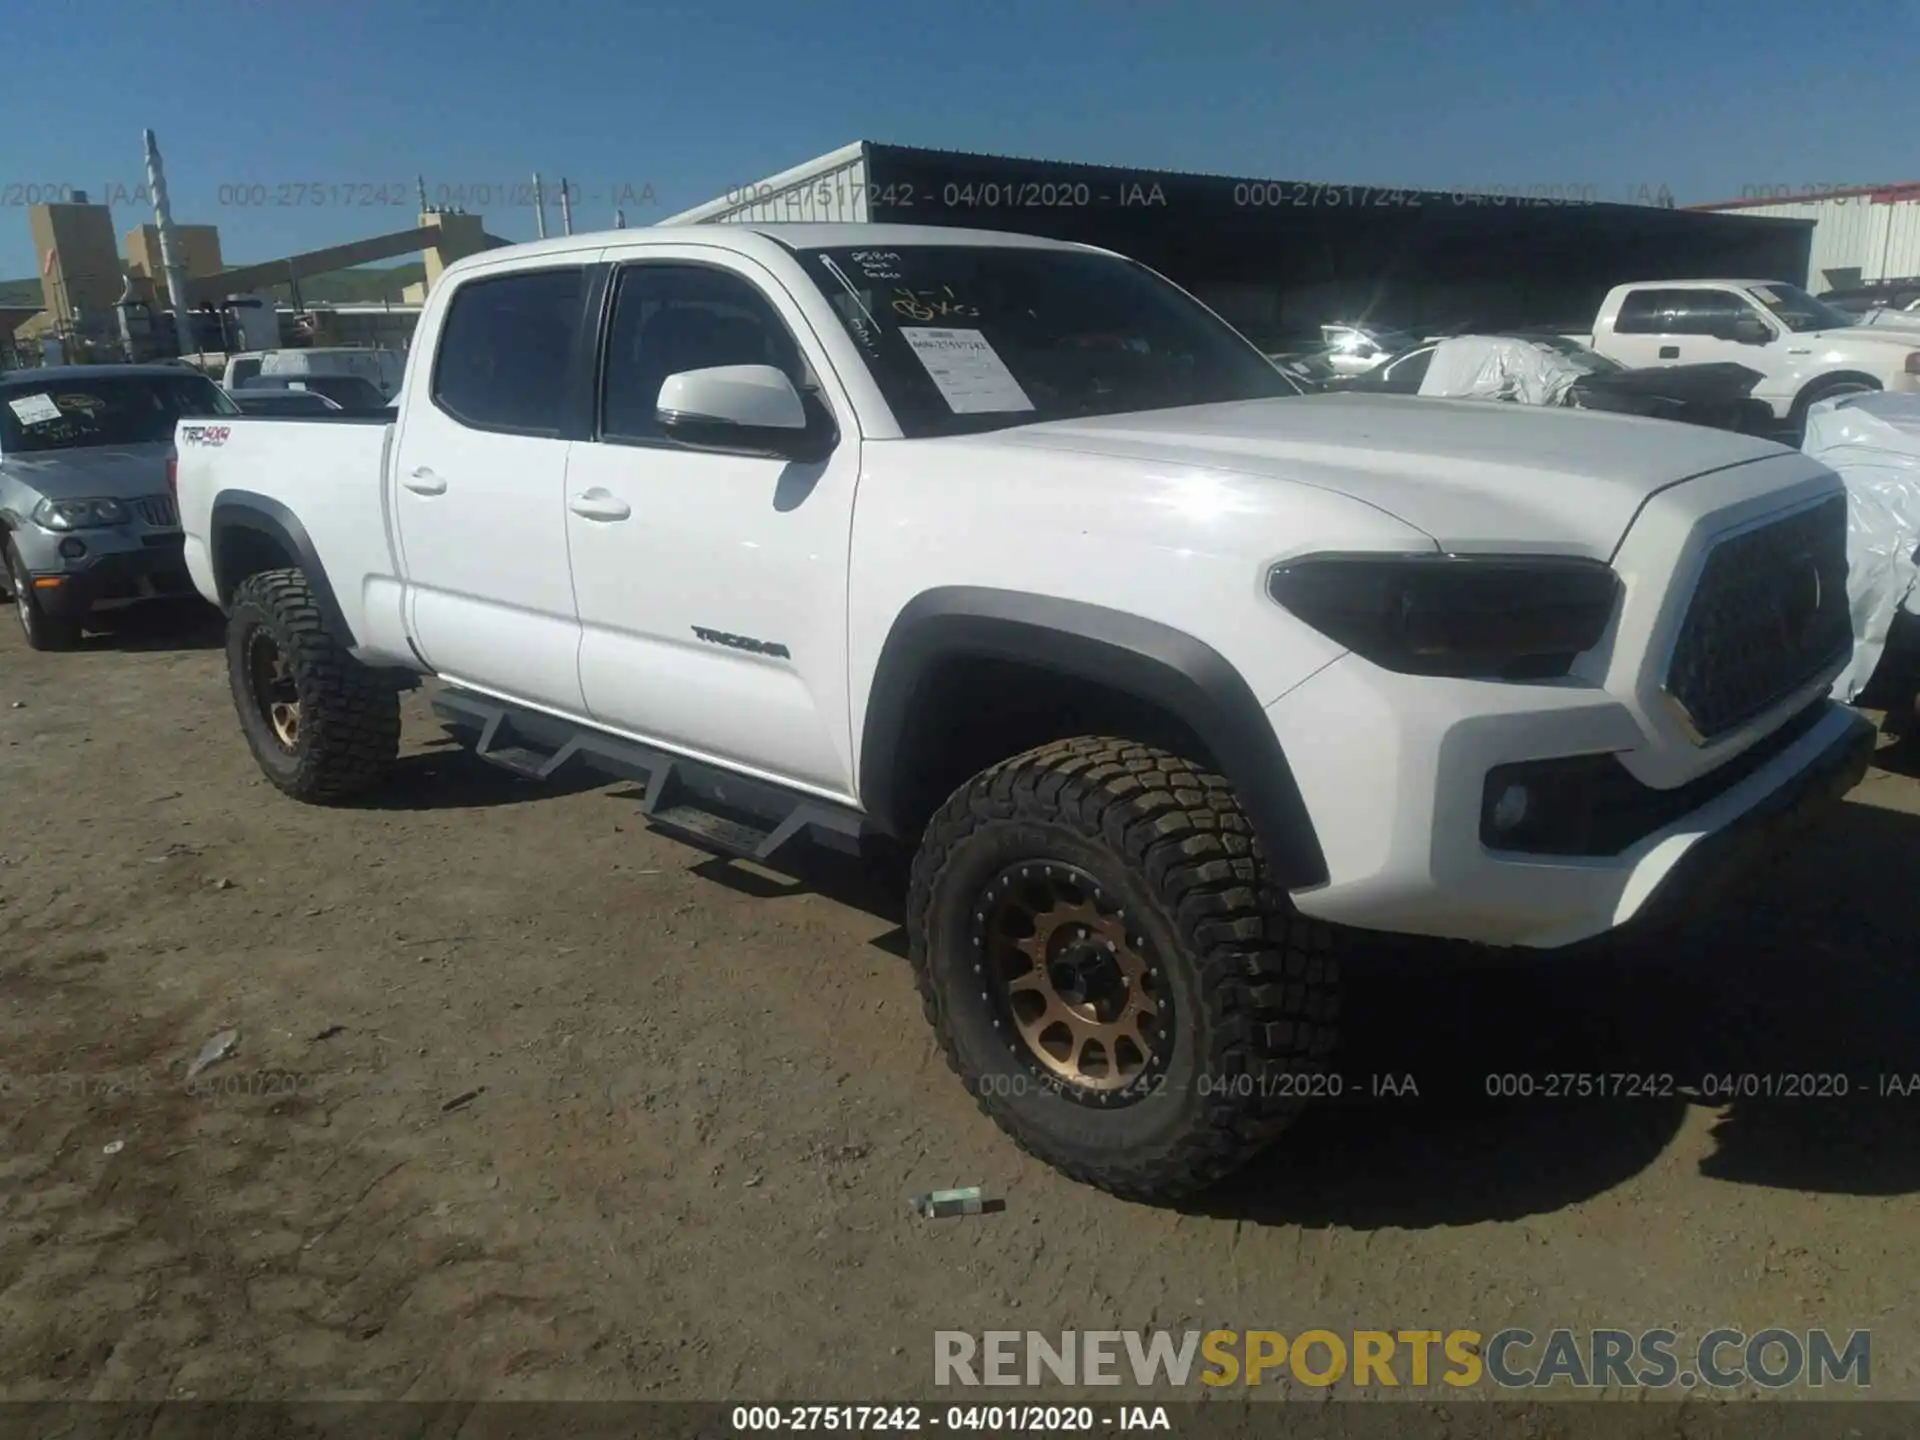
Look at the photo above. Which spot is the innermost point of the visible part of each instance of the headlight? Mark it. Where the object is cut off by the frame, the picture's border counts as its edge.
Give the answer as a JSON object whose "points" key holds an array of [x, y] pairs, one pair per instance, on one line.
{"points": [[79, 514], [1495, 617]]}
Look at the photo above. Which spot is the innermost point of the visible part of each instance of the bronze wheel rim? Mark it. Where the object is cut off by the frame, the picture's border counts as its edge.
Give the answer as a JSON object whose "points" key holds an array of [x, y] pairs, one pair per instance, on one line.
{"points": [[1074, 986], [275, 695]]}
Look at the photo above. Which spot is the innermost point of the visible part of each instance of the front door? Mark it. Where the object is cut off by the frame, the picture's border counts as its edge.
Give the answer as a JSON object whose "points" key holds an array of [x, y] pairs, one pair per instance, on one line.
{"points": [[480, 501], [712, 587], [1658, 325]]}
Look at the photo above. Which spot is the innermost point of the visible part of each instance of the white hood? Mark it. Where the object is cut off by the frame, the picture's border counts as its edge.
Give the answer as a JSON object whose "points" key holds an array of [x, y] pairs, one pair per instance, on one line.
{"points": [[1881, 318], [1473, 476], [1879, 332]]}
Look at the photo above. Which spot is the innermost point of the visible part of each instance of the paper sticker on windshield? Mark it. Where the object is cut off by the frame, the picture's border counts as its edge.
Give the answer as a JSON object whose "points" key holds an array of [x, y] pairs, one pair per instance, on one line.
{"points": [[972, 377], [1767, 295], [34, 409]]}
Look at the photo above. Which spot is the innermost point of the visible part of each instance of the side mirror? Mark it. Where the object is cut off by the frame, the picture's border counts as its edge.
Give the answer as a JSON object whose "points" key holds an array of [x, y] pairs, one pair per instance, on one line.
{"points": [[1750, 330], [739, 407]]}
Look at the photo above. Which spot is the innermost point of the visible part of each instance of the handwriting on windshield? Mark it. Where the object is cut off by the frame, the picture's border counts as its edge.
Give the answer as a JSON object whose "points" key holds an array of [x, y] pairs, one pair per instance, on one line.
{"points": [[941, 304], [878, 264]]}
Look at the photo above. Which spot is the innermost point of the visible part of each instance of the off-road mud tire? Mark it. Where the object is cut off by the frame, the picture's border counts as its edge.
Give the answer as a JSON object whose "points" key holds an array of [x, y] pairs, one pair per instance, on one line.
{"points": [[1252, 983]]}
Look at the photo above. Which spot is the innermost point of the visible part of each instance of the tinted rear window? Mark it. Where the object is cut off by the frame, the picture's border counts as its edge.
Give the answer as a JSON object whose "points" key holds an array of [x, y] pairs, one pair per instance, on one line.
{"points": [[506, 350]]}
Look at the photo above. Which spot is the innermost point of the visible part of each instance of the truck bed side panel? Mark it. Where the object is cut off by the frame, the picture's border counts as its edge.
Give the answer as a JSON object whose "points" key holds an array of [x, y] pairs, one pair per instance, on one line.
{"points": [[331, 478]]}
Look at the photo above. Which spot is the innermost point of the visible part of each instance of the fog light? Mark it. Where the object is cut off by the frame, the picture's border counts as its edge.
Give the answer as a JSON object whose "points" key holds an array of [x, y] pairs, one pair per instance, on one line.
{"points": [[73, 548], [1510, 810]]}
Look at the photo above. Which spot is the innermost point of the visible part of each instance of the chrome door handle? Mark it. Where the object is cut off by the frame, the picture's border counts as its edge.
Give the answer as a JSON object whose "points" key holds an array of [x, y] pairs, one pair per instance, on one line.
{"points": [[597, 504], [423, 481]]}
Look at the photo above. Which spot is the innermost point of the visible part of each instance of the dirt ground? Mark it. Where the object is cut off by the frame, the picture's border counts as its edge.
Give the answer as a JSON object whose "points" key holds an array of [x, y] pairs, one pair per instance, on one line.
{"points": [[530, 1101]]}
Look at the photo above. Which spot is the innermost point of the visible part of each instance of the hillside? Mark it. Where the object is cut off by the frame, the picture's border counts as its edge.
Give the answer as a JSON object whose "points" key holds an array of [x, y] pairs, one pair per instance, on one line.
{"points": [[367, 283]]}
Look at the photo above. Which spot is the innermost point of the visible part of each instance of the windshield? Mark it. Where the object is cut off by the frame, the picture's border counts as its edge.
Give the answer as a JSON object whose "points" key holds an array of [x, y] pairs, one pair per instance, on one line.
{"points": [[77, 413], [966, 338], [1799, 311]]}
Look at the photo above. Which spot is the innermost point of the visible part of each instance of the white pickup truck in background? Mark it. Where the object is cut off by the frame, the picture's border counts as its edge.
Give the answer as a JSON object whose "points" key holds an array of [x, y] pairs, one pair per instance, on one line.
{"points": [[1012, 554], [1807, 350]]}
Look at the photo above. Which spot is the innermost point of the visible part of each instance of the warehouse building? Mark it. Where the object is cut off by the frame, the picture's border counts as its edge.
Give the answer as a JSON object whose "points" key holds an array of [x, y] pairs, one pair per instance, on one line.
{"points": [[1865, 236], [1278, 257]]}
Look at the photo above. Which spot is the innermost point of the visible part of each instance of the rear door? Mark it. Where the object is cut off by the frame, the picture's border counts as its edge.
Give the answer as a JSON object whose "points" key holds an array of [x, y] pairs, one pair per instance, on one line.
{"points": [[480, 467]]}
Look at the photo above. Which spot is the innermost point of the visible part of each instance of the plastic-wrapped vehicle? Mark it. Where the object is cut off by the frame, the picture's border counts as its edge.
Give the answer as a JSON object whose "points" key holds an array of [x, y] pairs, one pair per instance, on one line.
{"points": [[1873, 441], [1548, 369]]}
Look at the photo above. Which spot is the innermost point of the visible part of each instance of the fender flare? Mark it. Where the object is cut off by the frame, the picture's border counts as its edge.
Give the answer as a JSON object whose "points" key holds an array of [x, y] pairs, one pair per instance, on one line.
{"points": [[237, 511], [1804, 399], [1152, 662]]}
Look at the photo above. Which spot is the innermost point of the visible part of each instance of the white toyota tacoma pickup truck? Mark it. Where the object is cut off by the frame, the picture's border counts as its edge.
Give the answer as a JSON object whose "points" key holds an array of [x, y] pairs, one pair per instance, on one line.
{"points": [[1173, 680]]}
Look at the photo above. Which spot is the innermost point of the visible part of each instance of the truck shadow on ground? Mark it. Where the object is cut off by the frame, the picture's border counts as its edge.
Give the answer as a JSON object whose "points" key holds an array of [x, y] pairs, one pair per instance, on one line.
{"points": [[1806, 973], [448, 777], [188, 624], [1794, 1011], [1805, 980]]}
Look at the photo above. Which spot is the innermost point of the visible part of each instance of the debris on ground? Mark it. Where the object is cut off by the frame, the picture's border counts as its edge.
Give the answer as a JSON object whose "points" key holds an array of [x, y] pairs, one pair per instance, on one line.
{"points": [[460, 1102], [174, 851], [113, 1147], [944, 1204], [214, 1051], [330, 1032]]}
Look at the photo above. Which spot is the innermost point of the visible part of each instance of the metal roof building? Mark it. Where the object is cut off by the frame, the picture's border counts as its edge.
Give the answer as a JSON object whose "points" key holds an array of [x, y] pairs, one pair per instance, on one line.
{"points": [[1860, 236], [1280, 256]]}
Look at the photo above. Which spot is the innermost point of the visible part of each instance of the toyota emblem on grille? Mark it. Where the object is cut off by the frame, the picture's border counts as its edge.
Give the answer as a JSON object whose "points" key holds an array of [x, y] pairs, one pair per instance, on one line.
{"points": [[1799, 600]]}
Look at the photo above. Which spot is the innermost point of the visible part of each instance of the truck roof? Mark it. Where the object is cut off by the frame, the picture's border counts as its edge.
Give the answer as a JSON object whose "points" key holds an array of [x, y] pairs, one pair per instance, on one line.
{"points": [[755, 238]]}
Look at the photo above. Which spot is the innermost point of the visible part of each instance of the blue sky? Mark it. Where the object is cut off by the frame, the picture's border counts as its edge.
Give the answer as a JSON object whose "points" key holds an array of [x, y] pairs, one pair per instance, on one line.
{"points": [[671, 104]]}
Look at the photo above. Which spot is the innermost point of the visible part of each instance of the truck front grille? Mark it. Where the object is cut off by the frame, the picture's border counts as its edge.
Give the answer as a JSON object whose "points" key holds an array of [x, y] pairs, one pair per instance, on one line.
{"points": [[1770, 612], [158, 511]]}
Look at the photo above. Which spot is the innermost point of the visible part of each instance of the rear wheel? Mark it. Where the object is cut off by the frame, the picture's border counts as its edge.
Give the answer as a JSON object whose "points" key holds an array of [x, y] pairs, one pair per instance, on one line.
{"points": [[323, 727], [42, 631], [1110, 970]]}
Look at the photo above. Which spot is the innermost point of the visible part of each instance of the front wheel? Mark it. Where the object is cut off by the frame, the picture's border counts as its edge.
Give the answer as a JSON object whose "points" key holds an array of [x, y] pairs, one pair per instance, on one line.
{"points": [[42, 631], [1111, 971], [323, 727]]}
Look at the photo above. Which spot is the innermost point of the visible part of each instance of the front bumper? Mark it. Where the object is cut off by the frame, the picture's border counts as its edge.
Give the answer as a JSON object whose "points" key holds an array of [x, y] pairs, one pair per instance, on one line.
{"points": [[1394, 772], [120, 566]]}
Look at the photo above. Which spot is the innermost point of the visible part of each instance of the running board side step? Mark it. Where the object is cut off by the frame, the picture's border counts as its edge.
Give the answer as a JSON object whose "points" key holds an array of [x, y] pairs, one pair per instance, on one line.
{"points": [[702, 804]]}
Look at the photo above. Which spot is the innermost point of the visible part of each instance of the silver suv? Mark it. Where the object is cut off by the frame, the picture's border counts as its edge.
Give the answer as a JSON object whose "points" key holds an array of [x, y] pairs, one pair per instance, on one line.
{"points": [[87, 514]]}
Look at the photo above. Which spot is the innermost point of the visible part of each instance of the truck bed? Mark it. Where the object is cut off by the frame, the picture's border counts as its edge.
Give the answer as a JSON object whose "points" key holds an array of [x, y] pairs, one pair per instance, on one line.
{"points": [[384, 416], [325, 474]]}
